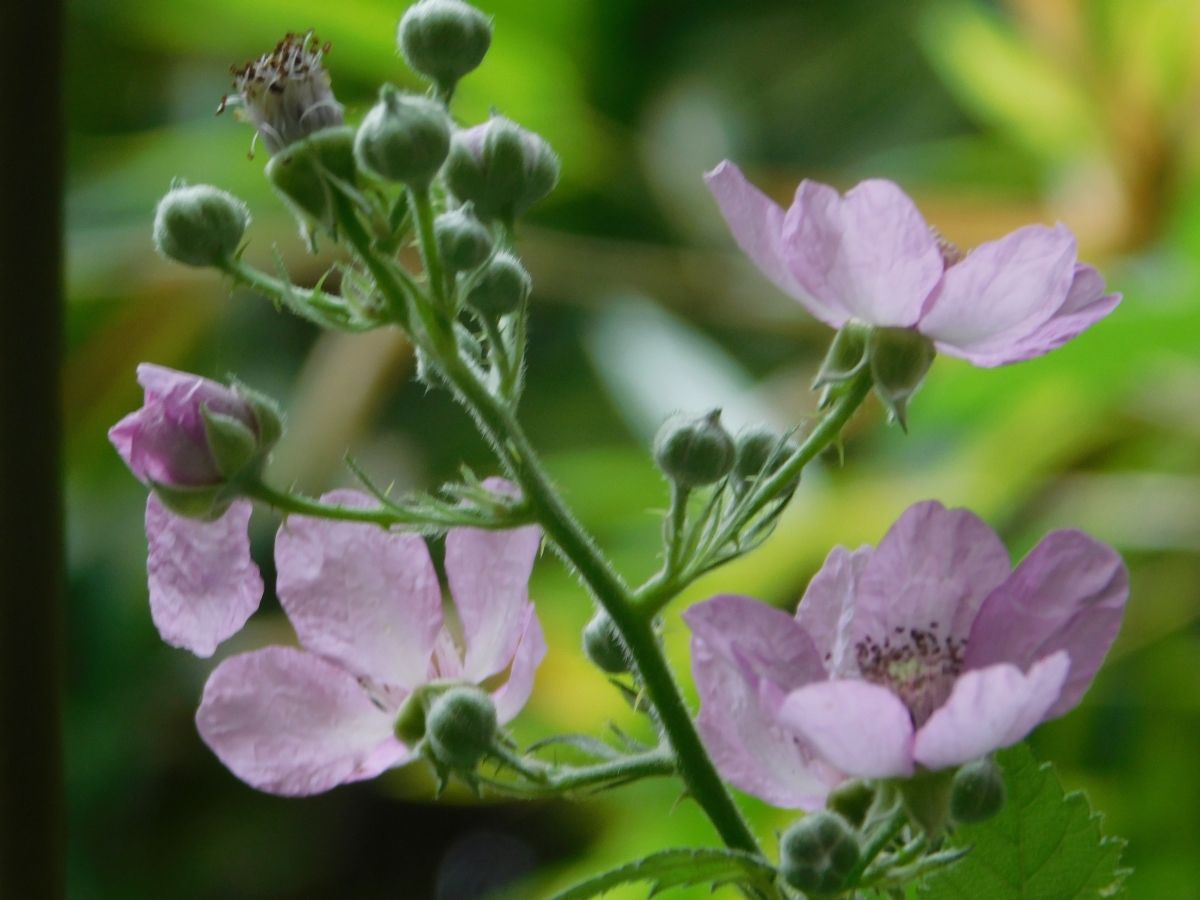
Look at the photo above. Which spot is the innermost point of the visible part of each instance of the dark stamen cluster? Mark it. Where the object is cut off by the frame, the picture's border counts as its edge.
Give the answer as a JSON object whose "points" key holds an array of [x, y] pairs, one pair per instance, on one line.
{"points": [[296, 56], [919, 667], [952, 254]]}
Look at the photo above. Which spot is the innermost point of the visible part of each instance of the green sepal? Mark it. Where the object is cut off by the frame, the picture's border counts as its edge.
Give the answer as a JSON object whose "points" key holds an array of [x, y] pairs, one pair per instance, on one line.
{"points": [[900, 359], [853, 800], [301, 175], [410, 720], [847, 355], [927, 798], [267, 413], [231, 444], [205, 503]]}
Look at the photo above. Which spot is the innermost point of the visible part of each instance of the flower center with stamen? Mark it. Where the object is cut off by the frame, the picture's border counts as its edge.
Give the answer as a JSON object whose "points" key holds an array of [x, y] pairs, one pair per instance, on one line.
{"points": [[918, 666], [952, 254], [286, 93]]}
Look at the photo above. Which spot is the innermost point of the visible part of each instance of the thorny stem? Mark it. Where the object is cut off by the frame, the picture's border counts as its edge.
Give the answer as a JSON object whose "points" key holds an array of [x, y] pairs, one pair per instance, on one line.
{"points": [[386, 515], [555, 780], [572, 541]]}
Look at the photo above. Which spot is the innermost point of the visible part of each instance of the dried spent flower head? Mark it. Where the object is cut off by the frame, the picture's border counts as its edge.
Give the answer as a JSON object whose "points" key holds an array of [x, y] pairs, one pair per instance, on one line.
{"points": [[286, 92]]}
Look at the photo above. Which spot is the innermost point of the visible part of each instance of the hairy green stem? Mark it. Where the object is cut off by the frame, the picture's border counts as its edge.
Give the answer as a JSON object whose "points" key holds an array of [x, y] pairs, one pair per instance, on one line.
{"points": [[554, 780], [665, 585], [386, 515], [576, 546]]}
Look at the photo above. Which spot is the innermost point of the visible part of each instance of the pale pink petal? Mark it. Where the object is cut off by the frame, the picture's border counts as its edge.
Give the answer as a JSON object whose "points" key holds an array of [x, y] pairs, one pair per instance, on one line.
{"points": [[765, 639], [1068, 594], [931, 572], [827, 610], [860, 728], [749, 747], [989, 709], [203, 584], [289, 722], [1086, 304], [888, 261], [511, 696], [358, 594], [757, 224], [488, 572], [1002, 292]]}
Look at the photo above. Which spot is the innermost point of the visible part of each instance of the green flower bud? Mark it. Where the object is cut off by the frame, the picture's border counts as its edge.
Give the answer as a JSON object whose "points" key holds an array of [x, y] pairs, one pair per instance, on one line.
{"points": [[899, 358], [603, 645], [852, 800], [818, 853], [305, 174], [444, 40], [694, 452], [403, 138], [501, 288], [978, 792], [847, 355], [462, 240], [461, 725], [501, 168], [199, 225], [755, 448]]}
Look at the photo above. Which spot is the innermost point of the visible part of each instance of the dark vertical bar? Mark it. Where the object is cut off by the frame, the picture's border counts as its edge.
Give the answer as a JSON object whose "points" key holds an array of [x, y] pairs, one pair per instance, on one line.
{"points": [[32, 809]]}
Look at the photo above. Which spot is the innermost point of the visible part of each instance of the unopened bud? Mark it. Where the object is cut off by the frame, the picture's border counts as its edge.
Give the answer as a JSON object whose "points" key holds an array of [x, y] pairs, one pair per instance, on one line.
{"points": [[461, 725], [501, 168], [603, 645], [501, 288], [463, 242], [818, 853], [306, 175], [978, 792], [759, 454], [444, 40], [199, 225], [403, 138], [694, 452], [899, 358], [852, 800]]}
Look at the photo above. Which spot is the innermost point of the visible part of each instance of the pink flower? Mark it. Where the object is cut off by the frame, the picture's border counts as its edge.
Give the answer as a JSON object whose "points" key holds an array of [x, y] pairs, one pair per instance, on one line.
{"points": [[926, 651], [367, 610], [203, 584], [164, 442], [871, 256]]}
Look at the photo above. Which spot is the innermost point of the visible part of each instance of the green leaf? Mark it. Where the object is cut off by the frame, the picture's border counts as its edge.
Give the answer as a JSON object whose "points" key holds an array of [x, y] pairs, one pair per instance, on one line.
{"points": [[679, 868], [1043, 845]]}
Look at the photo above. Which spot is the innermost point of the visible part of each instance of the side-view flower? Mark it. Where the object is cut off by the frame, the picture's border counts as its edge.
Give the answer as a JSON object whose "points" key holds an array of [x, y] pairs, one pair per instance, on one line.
{"points": [[189, 437], [367, 610], [927, 652], [870, 256]]}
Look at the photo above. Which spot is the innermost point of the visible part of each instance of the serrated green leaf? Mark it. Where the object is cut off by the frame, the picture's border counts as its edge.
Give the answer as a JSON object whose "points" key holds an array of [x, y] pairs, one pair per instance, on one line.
{"points": [[1044, 845], [678, 868]]}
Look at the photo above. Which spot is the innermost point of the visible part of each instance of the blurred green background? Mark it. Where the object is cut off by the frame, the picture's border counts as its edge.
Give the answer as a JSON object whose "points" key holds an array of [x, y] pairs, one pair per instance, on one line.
{"points": [[991, 114]]}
